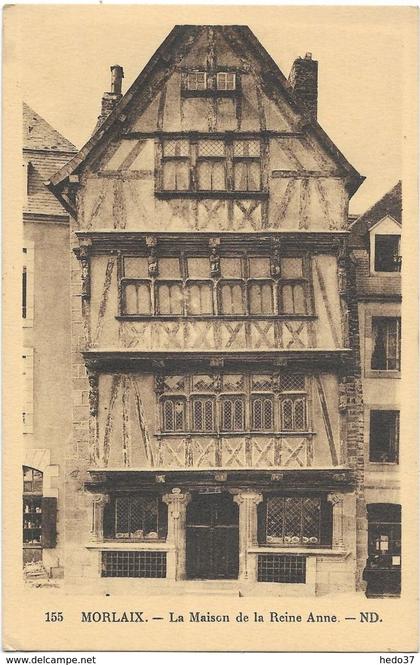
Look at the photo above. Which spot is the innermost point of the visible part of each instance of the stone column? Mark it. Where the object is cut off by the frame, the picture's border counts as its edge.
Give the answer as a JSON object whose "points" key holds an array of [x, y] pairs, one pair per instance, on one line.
{"points": [[247, 501], [337, 534], [177, 503], [99, 502]]}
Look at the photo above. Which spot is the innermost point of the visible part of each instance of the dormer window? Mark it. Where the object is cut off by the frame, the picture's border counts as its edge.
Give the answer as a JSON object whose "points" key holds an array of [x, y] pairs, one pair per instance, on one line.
{"points": [[387, 253], [197, 81], [226, 81]]}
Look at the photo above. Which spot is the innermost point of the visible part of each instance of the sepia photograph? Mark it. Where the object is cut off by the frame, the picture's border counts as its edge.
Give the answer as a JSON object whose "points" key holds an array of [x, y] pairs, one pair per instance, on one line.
{"points": [[210, 302]]}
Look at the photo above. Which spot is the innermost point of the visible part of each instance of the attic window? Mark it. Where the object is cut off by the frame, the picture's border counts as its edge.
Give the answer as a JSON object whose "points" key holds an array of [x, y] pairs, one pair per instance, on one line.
{"points": [[387, 253], [226, 81], [197, 81]]}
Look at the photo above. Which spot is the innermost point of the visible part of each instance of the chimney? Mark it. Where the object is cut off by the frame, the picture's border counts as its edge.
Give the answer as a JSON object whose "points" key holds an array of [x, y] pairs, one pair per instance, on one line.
{"points": [[111, 99], [303, 79]]}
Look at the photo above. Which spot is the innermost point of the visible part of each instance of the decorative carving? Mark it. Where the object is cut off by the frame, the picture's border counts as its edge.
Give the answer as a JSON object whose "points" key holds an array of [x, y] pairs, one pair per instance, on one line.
{"points": [[214, 244], [275, 267], [83, 255], [159, 384], [99, 502], [220, 477], [342, 266], [151, 243], [93, 378], [335, 498]]}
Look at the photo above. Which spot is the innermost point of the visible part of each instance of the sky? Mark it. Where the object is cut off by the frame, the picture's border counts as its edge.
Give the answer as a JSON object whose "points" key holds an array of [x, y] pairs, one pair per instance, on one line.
{"points": [[66, 52]]}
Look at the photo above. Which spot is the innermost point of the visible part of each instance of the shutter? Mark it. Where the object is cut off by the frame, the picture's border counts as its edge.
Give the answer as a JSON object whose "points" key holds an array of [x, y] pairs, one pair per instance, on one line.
{"points": [[163, 520], [49, 521], [261, 522], [326, 523]]}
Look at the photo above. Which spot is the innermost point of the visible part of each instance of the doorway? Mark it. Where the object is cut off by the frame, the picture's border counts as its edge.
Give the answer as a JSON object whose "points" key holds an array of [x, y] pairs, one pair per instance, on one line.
{"points": [[212, 537]]}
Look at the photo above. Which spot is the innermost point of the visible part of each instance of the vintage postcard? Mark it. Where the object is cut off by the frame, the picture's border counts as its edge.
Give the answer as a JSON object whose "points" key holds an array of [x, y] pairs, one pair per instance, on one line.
{"points": [[210, 324]]}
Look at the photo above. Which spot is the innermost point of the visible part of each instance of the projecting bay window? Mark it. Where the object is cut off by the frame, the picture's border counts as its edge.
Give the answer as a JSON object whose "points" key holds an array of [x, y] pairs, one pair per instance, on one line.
{"points": [[294, 521], [233, 403], [210, 165], [135, 517], [184, 286]]}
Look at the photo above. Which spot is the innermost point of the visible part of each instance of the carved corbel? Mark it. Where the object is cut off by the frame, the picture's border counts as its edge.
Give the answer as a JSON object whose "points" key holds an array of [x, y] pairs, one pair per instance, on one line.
{"points": [[159, 384], [214, 244], [93, 378], [275, 266], [151, 244], [83, 255]]}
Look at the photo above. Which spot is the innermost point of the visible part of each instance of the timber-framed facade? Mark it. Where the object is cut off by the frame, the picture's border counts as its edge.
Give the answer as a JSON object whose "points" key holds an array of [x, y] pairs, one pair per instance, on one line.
{"points": [[217, 399]]}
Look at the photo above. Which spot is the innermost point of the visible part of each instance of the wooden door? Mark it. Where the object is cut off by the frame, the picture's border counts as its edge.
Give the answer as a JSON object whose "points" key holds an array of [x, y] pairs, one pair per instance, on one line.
{"points": [[212, 537]]}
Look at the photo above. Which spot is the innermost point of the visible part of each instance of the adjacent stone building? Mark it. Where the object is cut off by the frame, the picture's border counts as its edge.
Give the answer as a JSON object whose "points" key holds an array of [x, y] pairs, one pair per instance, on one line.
{"points": [[375, 241], [46, 413], [217, 420]]}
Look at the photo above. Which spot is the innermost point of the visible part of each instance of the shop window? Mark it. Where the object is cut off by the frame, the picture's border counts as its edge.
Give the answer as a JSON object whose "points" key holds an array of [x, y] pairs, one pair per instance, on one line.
{"points": [[383, 567], [39, 516], [384, 436], [387, 253], [386, 339], [295, 521], [135, 517]]}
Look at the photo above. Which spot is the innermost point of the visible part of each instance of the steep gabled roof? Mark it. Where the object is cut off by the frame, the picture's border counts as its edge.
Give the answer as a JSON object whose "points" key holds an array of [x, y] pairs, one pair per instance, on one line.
{"points": [[182, 37], [389, 205], [39, 135]]}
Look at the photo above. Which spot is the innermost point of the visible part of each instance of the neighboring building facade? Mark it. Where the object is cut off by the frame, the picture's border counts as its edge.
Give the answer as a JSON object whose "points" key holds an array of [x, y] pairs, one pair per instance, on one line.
{"points": [[47, 415], [217, 400], [375, 241]]}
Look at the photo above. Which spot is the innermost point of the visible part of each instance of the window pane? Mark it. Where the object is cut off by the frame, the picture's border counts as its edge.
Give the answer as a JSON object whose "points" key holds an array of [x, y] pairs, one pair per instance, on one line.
{"points": [[287, 299], [238, 415], [299, 299], [131, 299], [200, 299], [260, 298], [287, 415], [292, 521], [227, 415], [232, 299], [197, 81], [211, 175], [136, 266], [122, 517], [198, 415], [170, 299], [250, 148], [226, 81], [211, 148], [257, 414], [386, 343], [254, 177], [143, 299], [300, 414], [387, 253], [384, 435], [311, 512], [168, 416], [176, 175], [179, 407], [275, 518], [169, 175], [176, 148], [268, 421], [240, 177]]}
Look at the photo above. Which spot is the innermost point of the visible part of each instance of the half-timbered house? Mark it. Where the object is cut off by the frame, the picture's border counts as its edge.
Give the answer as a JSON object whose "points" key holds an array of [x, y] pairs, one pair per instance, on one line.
{"points": [[217, 411]]}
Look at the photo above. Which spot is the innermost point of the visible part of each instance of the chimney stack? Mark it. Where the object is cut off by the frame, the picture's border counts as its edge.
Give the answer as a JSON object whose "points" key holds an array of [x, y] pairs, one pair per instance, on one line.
{"points": [[111, 99], [303, 79]]}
